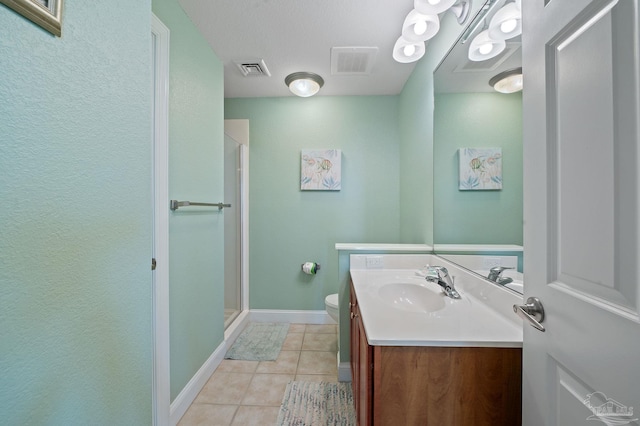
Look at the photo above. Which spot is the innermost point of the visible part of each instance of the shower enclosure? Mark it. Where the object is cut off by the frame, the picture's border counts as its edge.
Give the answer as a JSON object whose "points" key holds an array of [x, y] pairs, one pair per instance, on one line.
{"points": [[234, 153]]}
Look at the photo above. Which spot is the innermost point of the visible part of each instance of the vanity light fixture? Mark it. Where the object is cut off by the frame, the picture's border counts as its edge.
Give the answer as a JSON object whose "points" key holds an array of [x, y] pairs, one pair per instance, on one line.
{"points": [[509, 81], [405, 51], [304, 84], [484, 47], [418, 27], [506, 23], [423, 23]]}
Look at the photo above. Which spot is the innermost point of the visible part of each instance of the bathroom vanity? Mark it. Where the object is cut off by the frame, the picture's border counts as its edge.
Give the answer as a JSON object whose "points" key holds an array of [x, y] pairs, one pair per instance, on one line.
{"points": [[421, 358]]}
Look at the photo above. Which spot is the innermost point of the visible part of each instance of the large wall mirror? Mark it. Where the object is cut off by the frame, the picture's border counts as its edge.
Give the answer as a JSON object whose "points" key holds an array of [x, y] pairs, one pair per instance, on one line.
{"points": [[475, 224]]}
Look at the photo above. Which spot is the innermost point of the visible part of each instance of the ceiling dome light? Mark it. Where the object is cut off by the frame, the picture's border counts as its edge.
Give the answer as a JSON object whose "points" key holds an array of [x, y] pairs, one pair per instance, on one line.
{"points": [[484, 47], [432, 7], [418, 27], [509, 81], [506, 23], [405, 51], [304, 84]]}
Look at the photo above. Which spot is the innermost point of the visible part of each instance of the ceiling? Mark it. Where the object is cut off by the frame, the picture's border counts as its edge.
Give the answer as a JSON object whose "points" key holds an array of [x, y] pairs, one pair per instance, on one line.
{"points": [[298, 35]]}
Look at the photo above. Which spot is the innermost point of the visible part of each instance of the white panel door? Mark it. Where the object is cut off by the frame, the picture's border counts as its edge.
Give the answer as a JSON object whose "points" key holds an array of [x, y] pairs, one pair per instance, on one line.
{"points": [[581, 207]]}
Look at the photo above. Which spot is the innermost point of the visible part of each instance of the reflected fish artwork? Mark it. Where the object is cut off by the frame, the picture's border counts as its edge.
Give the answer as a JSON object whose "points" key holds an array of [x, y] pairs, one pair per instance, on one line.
{"points": [[320, 170], [480, 169]]}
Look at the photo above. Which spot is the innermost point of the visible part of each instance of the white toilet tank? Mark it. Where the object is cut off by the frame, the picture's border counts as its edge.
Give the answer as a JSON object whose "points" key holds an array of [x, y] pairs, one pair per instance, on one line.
{"points": [[331, 305]]}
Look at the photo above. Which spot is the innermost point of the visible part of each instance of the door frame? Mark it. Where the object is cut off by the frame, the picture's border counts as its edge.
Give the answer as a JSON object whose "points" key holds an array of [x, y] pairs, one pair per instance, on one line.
{"points": [[161, 396], [238, 130]]}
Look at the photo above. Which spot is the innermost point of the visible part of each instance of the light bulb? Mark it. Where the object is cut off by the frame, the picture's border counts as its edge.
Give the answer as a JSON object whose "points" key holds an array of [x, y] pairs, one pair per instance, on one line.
{"points": [[486, 48], [409, 50], [420, 27], [508, 26]]}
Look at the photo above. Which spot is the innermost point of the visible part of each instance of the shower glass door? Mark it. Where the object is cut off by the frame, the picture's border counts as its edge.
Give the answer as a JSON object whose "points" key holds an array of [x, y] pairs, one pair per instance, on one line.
{"points": [[232, 230]]}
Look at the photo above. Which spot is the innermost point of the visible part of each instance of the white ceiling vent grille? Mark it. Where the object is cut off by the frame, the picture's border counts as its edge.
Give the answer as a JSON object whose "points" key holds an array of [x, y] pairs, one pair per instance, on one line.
{"points": [[253, 68], [352, 60]]}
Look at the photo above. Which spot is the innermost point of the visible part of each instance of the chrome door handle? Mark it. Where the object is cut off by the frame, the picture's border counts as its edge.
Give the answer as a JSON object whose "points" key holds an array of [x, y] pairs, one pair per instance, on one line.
{"points": [[532, 311]]}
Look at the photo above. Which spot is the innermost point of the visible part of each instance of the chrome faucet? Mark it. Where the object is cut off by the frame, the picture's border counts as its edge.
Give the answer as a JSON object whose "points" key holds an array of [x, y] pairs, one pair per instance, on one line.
{"points": [[495, 275], [440, 276]]}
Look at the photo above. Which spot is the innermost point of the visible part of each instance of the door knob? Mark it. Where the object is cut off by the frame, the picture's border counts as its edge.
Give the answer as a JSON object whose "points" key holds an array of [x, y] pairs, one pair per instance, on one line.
{"points": [[531, 311]]}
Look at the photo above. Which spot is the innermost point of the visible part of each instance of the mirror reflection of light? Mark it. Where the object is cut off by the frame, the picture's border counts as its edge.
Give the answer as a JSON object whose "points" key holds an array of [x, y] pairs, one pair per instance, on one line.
{"points": [[409, 49], [508, 26], [486, 48], [420, 27], [433, 2]]}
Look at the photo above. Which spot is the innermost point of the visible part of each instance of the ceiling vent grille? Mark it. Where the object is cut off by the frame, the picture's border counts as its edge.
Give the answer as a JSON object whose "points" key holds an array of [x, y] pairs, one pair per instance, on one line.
{"points": [[253, 68], [352, 60]]}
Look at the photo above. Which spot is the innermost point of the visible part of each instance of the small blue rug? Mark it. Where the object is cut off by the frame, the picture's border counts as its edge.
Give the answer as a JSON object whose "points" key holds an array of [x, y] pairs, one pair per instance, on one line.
{"points": [[259, 342]]}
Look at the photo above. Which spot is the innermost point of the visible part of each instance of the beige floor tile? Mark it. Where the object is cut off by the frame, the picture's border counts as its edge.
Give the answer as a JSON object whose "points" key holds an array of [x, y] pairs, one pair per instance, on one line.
{"points": [[224, 388], [286, 363], [293, 342], [316, 362], [208, 415], [297, 328], [256, 416], [320, 342], [321, 328], [237, 366], [267, 389], [316, 378]]}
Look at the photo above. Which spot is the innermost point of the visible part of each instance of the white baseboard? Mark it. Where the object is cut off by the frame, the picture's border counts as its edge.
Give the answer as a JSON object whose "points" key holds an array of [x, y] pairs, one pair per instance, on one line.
{"points": [[294, 317], [185, 398], [344, 371]]}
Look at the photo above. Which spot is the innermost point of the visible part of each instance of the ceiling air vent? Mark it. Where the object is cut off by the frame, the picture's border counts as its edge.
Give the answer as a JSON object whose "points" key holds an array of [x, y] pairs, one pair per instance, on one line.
{"points": [[352, 60], [253, 68]]}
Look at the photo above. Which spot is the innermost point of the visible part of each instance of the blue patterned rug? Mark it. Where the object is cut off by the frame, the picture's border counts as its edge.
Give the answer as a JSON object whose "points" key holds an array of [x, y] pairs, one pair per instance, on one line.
{"points": [[259, 342], [314, 404]]}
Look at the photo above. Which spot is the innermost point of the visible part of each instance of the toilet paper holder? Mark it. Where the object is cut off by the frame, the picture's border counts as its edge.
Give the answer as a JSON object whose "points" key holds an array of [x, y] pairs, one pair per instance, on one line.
{"points": [[310, 268]]}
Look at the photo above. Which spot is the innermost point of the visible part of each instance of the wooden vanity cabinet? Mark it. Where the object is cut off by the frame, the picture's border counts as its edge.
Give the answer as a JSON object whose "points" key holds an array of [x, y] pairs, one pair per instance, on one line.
{"points": [[430, 385]]}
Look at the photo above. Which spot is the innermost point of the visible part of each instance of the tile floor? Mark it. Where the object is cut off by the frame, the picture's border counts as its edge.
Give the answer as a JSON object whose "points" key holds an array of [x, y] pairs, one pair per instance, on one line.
{"points": [[247, 393]]}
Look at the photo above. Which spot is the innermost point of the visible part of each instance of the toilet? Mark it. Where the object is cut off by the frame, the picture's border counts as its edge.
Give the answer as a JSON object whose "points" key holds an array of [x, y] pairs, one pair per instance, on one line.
{"points": [[331, 305]]}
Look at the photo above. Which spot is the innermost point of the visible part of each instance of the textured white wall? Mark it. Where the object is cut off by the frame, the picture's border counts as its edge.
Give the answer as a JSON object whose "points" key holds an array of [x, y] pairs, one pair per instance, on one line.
{"points": [[75, 222]]}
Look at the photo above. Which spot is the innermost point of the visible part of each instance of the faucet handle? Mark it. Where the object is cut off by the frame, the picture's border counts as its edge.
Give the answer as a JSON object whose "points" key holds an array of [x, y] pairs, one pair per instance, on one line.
{"points": [[499, 269]]}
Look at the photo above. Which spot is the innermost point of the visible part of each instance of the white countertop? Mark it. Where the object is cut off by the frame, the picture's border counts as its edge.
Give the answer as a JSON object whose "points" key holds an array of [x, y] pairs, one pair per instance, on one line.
{"points": [[482, 318]]}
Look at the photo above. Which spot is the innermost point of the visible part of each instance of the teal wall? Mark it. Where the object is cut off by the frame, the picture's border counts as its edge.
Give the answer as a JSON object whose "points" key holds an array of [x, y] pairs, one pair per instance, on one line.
{"points": [[289, 226], [196, 235], [478, 120], [75, 183], [416, 120]]}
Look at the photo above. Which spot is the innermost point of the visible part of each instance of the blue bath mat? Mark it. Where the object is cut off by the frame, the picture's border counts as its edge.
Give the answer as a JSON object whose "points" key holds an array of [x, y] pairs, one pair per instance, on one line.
{"points": [[259, 342]]}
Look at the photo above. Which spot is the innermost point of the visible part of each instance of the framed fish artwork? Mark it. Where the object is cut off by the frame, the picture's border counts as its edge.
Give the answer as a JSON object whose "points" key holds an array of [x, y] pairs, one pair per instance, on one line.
{"points": [[321, 170], [480, 169]]}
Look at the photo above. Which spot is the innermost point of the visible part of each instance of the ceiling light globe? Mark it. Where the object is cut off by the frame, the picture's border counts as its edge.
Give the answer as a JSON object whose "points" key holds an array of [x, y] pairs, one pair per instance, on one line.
{"points": [[508, 26], [409, 50], [506, 23], [420, 27], [433, 7], [405, 51], [486, 48], [509, 81], [483, 47], [304, 84]]}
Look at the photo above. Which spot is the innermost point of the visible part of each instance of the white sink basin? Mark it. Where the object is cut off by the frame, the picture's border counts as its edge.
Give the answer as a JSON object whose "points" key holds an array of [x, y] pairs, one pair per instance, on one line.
{"points": [[411, 297]]}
